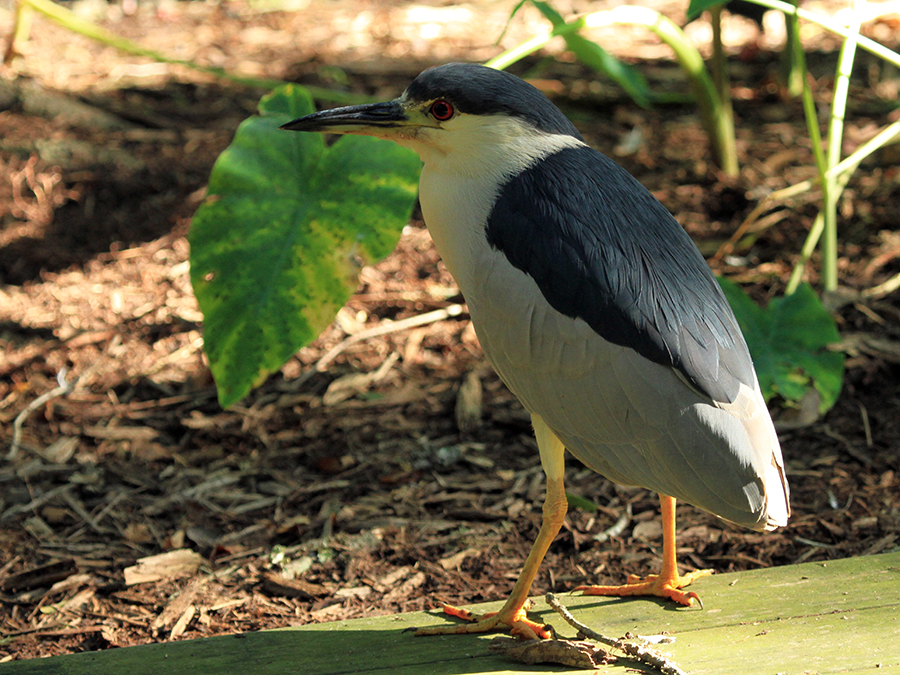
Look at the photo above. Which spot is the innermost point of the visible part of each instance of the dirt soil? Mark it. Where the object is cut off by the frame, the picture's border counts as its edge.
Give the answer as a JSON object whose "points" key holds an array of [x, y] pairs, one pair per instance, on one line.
{"points": [[311, 501]]}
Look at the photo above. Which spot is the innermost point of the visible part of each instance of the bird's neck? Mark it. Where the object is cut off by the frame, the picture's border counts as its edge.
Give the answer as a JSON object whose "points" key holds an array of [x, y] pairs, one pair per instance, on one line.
{"points": [[462, 175]]}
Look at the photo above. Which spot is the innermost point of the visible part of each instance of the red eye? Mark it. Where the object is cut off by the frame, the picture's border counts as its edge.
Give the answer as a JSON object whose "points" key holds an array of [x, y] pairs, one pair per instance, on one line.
{"points": [[441, 110]]}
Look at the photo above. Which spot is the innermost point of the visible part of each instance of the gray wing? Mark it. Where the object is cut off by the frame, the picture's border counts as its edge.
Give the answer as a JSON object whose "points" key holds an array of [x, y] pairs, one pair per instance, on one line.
{"points": [[601, 248], [634, 421]]}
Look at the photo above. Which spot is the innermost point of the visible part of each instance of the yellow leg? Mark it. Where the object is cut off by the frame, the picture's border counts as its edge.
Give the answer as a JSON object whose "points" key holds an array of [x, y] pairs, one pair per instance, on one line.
{"points": [[668, 583], [512, 614]]}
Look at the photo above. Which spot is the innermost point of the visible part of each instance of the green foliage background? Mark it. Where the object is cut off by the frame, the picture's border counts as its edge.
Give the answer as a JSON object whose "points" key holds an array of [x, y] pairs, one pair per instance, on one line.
{"points": [[278, 244], [789, 341]]}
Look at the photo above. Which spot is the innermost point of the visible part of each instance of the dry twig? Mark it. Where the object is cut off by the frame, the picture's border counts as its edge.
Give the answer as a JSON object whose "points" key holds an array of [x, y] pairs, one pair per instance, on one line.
{"points": [[63, 389], [383, 329], [617, 528], [646, 656]]}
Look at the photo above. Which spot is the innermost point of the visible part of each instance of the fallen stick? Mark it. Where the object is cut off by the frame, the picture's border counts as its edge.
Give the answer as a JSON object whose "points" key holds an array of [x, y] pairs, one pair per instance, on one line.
{"points": [[646, 656], [63, 389], [382, 329]]}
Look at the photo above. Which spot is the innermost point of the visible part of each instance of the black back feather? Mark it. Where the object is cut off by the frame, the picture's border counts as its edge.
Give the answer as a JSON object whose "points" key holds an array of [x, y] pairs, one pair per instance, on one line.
{"points": [[601, 248]]}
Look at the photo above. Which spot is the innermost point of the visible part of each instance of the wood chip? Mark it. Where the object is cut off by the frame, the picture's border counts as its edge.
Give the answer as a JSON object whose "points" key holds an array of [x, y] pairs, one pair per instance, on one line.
{"points": [[392, 578], [61, 450], [39, 577], [122, 433], [183, 621], [276, 584], [175, 611], [406, 590], [355, 592], [454, 561], [329, 613], [650, 529], [171, 565], [80, 630], [138, 533], [469, 403]]}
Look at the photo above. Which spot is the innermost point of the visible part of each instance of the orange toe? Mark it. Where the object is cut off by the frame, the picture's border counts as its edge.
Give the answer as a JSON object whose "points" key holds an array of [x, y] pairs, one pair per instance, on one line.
{"points": [[516, 622], [655, 584]]}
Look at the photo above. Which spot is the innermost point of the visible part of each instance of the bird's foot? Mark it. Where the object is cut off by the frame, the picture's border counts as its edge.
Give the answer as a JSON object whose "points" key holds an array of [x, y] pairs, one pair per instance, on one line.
{"points": [[518, 624], [654, 584]]}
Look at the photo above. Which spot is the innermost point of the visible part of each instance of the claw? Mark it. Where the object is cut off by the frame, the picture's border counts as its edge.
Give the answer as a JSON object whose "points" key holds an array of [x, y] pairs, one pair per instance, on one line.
{"points": [[693, 596]]}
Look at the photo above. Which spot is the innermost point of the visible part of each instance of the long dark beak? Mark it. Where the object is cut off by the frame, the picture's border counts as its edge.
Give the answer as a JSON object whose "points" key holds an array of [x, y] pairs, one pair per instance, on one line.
{"points": [[343, 120]]}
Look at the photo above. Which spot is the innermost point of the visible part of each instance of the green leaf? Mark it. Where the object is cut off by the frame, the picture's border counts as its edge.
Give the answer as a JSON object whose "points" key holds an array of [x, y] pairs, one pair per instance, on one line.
{"points": [[578, 502], [697, 7], [594, 56], [788, 341], [277, 246]]}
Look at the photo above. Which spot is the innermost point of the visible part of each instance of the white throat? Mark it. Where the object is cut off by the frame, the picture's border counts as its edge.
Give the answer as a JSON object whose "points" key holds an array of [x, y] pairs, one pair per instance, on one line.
{"points": [[466, 163]]}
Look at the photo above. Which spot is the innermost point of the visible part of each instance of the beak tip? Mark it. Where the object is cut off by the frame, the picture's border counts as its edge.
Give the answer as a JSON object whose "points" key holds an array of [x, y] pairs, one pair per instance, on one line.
{"points": [[351, 119], [292, 125]]}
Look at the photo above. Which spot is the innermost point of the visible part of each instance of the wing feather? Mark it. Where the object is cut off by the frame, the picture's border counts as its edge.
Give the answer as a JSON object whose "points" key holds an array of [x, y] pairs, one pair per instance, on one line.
{"points": [[601, 248]]}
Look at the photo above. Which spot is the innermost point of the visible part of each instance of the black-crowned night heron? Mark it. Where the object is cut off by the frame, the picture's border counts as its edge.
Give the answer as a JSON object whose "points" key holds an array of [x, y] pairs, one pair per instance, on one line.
{"points": [[592, 304]]}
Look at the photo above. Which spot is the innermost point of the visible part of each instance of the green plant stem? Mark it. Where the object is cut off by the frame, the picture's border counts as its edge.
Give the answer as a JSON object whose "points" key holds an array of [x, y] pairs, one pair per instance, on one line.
{"points": [[809, 111], [21, 29], [74, 23], [792, 73], [815, 136], [835, 138], [805, 253], [837, 181], [717, 64], [864, 43], [845, 169], [812, 239], [717, 123], [722, 81], [519, 52]]}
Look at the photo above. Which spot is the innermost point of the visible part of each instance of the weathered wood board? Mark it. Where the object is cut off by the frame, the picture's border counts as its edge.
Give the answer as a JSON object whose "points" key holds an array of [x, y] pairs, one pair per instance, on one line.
{"points": [[817, 618]]}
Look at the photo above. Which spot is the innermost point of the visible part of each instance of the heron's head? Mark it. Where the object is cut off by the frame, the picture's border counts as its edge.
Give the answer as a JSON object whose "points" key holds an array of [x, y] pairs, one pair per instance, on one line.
{"points": [[453, 111]]}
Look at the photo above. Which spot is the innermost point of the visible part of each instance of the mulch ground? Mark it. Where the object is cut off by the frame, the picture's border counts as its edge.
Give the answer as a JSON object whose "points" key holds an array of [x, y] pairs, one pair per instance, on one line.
{"points": [[137, 510]]}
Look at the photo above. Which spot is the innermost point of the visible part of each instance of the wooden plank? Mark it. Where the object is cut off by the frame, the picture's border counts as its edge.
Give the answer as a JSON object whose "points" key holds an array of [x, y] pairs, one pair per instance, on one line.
{"points": [[836, 617]]}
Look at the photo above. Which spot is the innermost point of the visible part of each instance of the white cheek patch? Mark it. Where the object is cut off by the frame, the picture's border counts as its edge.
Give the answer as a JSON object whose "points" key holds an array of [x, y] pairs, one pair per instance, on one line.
{"points": [[491, 147]]}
